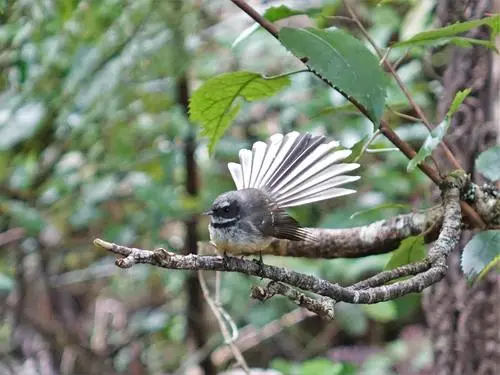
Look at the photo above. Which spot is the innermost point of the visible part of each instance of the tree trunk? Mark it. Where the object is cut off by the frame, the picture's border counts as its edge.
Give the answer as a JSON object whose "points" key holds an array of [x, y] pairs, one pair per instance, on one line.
{"points": [[465, 320]]}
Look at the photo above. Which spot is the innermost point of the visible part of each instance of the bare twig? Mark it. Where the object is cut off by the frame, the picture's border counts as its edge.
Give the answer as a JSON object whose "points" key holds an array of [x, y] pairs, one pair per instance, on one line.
{"points": [[229, 337], [251, 336], [387, 276]]}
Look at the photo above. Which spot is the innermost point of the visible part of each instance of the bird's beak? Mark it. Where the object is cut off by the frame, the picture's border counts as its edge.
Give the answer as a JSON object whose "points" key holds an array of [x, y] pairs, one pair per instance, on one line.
{"points": [[208, 213]]}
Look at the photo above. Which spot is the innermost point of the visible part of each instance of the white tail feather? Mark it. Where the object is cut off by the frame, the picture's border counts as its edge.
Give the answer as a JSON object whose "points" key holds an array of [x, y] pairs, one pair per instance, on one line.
{"points": [[312, 186], [258, 154], [333, 193], [294, 169], [236, 174], [283, 150], [324, 161], [246, 166], [272, 148]]}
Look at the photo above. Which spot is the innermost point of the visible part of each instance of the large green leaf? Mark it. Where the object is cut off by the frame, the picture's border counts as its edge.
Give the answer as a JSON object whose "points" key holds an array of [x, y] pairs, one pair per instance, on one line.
{"points": [[488, 163], [343, 61], [432, 36], [215, 104], [481, 254], [410, 250]]}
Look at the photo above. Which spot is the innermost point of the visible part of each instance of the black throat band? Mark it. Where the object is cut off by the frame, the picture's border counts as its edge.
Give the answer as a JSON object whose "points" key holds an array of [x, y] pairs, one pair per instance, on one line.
{"points": [[224, 224]]}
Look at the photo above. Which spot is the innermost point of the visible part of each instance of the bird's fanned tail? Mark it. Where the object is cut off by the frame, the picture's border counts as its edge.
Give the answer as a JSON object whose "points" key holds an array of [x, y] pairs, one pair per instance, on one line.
{"points": [[294, 169]]}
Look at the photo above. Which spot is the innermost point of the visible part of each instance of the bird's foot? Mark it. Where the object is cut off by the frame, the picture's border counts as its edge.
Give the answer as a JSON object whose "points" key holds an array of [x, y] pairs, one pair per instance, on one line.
{"points": [[225, 260]]}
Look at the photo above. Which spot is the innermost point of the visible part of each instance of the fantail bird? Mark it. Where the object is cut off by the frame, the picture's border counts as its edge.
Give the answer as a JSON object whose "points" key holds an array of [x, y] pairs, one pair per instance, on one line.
{"points": [[287, 171]]}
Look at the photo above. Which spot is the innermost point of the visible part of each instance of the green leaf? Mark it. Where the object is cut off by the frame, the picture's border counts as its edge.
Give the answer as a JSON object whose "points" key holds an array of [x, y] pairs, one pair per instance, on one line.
{"points": [[488, 163], [457, 101], [215, 105], [481, 254], [431, 36], [343, 61], [410, 250], [380, 207], [430, 143], [469, 42], [382, 312], [357, 149]]}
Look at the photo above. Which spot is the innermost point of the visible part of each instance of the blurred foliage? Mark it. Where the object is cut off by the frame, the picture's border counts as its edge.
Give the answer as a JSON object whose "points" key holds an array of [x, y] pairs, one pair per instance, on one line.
{"points": [[92, 129]]}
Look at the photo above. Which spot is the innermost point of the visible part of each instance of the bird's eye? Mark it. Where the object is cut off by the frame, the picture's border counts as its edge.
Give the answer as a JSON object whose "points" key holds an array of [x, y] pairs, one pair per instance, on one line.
{"points": [[226, 209]]}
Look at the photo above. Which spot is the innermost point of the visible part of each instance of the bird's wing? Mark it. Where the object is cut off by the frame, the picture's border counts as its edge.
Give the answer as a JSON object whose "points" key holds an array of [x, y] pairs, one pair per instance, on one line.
{"points": [[277, 223]]}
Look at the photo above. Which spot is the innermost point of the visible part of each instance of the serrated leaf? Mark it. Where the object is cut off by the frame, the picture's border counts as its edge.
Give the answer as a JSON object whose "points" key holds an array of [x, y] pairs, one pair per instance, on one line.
{"points": [[380, 207], [215, 105], [344, 61], [431, 36], [457, 101], [430, 143], [488, 163], [481, 254], [381, 312], [410, 250]]}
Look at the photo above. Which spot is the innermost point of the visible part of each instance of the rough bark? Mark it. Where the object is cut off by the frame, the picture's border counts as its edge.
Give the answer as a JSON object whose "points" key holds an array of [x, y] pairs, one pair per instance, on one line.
{"points": [[464, 320]]}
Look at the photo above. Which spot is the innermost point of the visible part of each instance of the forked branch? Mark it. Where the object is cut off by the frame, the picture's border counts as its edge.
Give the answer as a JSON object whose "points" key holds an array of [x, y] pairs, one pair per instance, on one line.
{"points": [[372, 290]]}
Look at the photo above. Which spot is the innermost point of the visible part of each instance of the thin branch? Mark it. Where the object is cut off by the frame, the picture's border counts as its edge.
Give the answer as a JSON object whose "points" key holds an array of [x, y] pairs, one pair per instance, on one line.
{"points": [[401, 84], [257, 17], [229, 338], [251, 336], [387, 276]]}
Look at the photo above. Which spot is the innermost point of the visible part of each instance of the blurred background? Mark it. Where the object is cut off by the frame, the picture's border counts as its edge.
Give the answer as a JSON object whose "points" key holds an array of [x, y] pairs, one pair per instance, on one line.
{"points": [[95, 141]]}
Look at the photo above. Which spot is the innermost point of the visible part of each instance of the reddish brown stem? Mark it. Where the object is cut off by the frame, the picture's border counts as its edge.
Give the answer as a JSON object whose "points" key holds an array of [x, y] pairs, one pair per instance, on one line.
{"points": [[474, 218]]}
